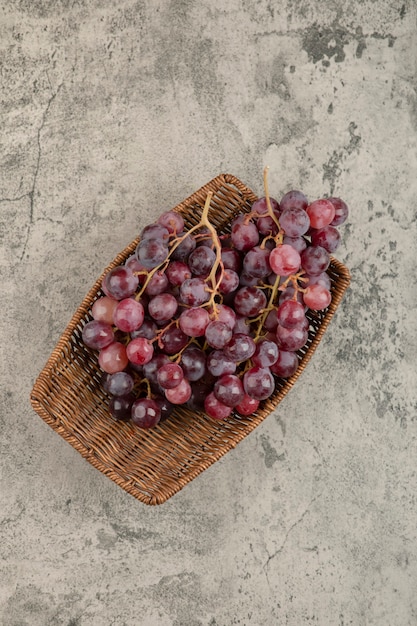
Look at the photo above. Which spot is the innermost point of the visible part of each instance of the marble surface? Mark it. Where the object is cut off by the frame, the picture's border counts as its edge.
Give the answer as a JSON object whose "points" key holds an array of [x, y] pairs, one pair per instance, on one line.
{"points": [[114, 112]]}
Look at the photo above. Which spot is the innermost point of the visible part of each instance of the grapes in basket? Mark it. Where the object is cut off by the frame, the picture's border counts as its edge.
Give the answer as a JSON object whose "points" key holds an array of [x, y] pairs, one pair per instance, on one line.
{"points": [[211, 321]]}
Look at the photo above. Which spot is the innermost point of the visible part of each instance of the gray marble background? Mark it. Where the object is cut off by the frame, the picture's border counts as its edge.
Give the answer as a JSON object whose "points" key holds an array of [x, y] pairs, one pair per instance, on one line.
{"points": [[112, 112]]}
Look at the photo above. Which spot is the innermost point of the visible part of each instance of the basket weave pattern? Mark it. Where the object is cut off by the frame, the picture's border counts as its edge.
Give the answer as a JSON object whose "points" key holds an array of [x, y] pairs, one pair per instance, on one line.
{"points": [[153, 465]]}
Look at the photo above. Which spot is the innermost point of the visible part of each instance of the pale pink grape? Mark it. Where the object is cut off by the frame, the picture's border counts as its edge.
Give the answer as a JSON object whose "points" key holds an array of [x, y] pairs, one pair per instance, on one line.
{"points": [[113, 358]]}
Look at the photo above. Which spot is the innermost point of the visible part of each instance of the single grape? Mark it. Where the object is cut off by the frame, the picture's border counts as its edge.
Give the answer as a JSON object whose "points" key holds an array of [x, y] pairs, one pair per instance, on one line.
{"points": [[244, 235], [266, 353], [120, 407], [241, 326], [216, 409], [148, 329], [293, 199], [327, 237], [228, 389], [231, 259], [317, 297], [225, 314], [173, 340], [128, 315], [289, 293], [172, 221], [291, 339], [240, 348], [97, 335], [322, 279], [170, 375], [201, 260], [193, 292], [218, 334], [103, 308], [229, 281], [113, 358], [260, 206], [133, 264], [155, 231], [298, 243], [139, 351], [341, 211], [294, 221], [284, 260], [249, 301], [256, 262], [119, 384], [247, 406], [120, 283], [177, 272], [145, 413], [290, 313], [271, 320], [151, 252], [187, 245], [180, 394], [157, 284], [247, 281], [321, 213], [258, 383], [193, 363], [286, 365], [163, 307], [315, 260], [219, 363], [193, 322]]}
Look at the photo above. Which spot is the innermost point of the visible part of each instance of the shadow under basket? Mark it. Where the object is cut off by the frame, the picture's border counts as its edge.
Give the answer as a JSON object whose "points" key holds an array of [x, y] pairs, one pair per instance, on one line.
{"points": [[152, 465]]}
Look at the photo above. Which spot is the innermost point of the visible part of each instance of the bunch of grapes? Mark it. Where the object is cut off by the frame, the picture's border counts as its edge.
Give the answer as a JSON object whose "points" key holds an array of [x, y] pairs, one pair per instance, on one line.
{"points": [[209, 321]]}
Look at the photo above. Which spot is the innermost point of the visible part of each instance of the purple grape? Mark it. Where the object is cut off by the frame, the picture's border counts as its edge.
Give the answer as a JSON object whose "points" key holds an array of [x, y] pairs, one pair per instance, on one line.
{"points": [[193, 322], [258, 383], [147, 330], [151, 252], [201, 261], [294, 221], [170, 375], [97, 335], [228, 389], [231, 259], [118, 384], [157, 284], [193, 363], [145, 413], [286, 365], [177, 272], [291, 339], [150, 370], [293, 199], [341, 211], [256, 262], [244, 235], [120, 283], [120, 407], [315, 260], [266, 353], [298, 243], [173, 340], [193, 292], [249, 301], [183, 250], [240, 348], [155, 231], [163, 307], [327, 237], [219, 363], [218, 334], [229, 281], [172, 221]]}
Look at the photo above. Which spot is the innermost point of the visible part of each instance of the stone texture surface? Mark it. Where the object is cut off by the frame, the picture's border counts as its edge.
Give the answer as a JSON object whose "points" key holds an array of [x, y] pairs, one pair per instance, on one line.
{"points": [[110, 114]]}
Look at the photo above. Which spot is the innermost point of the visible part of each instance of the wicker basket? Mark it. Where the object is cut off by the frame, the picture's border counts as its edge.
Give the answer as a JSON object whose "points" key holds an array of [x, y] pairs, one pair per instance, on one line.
{"points": [[153, 465]]}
